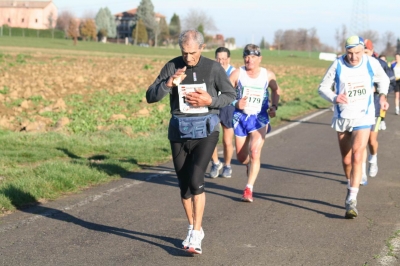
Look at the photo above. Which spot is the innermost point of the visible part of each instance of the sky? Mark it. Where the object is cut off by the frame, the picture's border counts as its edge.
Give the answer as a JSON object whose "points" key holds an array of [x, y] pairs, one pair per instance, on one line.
{"points": [[248, 21]]}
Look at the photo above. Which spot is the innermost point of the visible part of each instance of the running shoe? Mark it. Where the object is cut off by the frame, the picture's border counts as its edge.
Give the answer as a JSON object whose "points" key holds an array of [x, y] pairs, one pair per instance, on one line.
{"points": [[195, 242], [247, 195], [364, 180], [382, 125], [215, 167], [227, 172], [373, 169], [351, 211], [185, 242]]}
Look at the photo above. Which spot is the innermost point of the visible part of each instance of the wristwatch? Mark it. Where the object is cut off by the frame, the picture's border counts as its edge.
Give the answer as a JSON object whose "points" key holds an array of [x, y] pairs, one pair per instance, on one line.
{"points": [[276, 107]]}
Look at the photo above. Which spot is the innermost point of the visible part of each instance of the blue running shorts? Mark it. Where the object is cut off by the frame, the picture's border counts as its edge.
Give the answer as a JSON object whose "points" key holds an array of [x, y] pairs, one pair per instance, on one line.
{"points": [[244, 124]]}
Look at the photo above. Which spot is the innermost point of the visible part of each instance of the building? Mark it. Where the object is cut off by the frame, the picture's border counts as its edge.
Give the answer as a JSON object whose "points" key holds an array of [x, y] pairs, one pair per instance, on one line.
{"points": [[40, 14], [127, 19]]}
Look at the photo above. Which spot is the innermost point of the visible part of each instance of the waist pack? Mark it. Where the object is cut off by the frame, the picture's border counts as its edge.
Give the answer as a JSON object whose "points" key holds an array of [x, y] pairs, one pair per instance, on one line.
{"points": [[195, 127]]}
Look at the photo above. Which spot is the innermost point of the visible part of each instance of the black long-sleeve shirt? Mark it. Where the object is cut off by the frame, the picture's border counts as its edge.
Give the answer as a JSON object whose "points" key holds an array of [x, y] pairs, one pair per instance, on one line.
{"points": [[206, 71]]}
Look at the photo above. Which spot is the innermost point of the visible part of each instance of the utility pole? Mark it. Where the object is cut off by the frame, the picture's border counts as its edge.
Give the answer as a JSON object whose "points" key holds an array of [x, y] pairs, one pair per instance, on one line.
{"points": [[359, 17]]}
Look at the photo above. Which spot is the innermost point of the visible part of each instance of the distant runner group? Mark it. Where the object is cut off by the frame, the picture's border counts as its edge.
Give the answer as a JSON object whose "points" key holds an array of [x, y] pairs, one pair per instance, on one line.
{"points": [[208, 94]]}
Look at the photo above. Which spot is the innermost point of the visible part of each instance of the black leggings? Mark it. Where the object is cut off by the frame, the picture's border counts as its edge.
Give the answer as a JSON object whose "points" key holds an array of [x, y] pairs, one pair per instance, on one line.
{"points": [[191, 159]]}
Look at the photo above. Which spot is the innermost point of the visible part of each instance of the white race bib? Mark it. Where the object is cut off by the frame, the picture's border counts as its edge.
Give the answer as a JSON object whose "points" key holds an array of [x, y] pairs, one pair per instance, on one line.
{"points": [[357, 97], [255, 97], [185, 107]]}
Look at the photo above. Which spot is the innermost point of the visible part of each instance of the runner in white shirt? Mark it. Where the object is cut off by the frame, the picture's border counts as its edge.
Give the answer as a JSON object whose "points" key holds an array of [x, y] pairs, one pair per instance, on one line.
{"points": [[353, 76], [250, 119]]}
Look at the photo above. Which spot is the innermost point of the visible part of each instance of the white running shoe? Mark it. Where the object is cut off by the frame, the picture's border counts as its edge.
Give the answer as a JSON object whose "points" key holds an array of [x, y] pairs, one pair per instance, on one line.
{"points": [[195, 242], [373, 169], [185, 242], [382, 126]]}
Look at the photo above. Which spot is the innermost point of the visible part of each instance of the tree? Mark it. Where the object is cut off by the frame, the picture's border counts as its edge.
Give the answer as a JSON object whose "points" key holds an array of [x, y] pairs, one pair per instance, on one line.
{"points": [[278, 39], [341, 36], [145, 12], [175, 28], [389, 42], [88, 29], [164, 31], [195, 18], [105, 21], [73, 30], [200, 29], [140, 32], [372, 35], [262, 43], [63, 20], [112, 26]]}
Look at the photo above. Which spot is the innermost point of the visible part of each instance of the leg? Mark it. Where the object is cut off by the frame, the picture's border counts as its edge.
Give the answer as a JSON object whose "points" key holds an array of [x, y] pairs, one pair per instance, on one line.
{"points": [[214, 157], [256, 143], [242, 149], [373, 149], [396, 101], [359, 140], [344, 139], [228, 145]]}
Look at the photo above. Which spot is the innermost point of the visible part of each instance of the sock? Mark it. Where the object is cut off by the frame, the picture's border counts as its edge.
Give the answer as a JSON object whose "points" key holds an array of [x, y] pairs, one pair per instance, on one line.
{"points": [[217, 163], [353, 193], [373, 158], [348, 183], [190, 226], [250, 186], [364, 168], [228, 165]]}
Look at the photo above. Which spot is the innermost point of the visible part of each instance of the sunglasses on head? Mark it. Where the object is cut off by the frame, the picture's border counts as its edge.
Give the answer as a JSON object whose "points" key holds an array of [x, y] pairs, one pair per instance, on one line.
{"points": [[251, 52]]}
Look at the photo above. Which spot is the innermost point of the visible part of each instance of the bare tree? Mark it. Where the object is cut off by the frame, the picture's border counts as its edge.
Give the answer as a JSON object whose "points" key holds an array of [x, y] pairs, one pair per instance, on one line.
{"points": [[195, 18], [372, 35], [73, 30], [389, 41], [341, 36], [63, 21], [51, 23], [278, 39]]}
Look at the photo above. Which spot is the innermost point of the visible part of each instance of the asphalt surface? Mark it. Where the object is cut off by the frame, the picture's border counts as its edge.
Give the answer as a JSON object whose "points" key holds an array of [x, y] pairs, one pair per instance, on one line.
{"points": [[297, 217]]}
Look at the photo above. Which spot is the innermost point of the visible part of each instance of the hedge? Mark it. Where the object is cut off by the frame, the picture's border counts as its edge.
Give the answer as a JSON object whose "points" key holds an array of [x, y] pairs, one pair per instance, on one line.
{"points": [[25, 32]]}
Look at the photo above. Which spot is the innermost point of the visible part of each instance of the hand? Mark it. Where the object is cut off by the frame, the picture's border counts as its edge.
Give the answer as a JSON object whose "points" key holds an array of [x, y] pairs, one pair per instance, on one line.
{"points": [[341, 98], [198, 98], [180, 73], [384, 104], [241, 104], [272, 111]]}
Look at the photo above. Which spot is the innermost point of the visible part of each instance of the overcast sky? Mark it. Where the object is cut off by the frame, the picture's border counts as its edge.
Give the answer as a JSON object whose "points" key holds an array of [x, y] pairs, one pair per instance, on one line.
{"points": [[250, 20]]}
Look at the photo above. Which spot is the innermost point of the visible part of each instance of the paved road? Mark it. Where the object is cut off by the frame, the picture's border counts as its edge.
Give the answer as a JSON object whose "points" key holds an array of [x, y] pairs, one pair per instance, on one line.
{"points": [[296, 217]]}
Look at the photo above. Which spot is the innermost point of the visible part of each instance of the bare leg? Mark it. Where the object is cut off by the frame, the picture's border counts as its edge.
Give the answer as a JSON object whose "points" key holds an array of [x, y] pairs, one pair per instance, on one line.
{"points": [[199, 202], [256, 143], [188, 206], [373, 143], [344, 139], [359, 140], [214, 156], [228, 145]]}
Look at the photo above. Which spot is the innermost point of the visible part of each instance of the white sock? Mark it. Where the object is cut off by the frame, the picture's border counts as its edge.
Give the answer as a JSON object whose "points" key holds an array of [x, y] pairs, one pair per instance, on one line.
{"points": [[364, 168], [218, 162], [250, 186], [353, 193], [190, 226], [373, 158], [348, 183]]}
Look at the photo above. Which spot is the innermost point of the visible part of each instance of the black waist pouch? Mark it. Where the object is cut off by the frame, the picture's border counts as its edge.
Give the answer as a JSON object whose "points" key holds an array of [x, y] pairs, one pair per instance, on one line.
{"points": [[195, 127]]}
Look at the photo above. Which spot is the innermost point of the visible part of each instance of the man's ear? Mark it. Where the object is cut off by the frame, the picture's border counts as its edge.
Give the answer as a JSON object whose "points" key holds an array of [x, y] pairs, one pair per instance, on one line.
{"points": [[203, 46]]}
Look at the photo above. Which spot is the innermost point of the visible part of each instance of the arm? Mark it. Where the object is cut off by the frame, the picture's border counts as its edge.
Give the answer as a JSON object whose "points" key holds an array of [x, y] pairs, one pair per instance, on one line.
{"points": [[275, 93], [234, 79], [326, 84], [382, 80], [222, 84], [164, 83]]}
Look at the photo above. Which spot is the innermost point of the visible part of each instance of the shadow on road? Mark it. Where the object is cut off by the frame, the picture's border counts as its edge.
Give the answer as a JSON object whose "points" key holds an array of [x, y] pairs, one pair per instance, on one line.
{"points": [[60, 215]]}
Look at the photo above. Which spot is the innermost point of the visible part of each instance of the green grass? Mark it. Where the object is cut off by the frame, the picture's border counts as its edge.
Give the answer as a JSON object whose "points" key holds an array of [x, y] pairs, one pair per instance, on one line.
{"points": [[44, 166]]}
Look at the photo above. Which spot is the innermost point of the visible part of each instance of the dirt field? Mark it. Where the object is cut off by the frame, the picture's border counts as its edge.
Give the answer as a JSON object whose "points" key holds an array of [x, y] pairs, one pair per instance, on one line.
{"points": [[36, 87]]}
